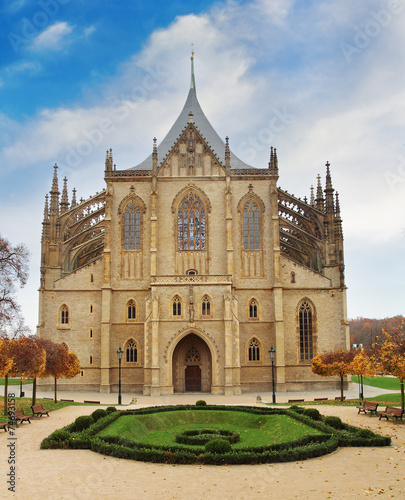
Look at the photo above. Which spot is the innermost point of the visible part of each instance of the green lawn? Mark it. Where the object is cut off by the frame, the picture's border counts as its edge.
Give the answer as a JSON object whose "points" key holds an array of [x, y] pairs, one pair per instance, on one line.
{"points": [[388, 383], [255, 430], [15, 381], [25, 404]]}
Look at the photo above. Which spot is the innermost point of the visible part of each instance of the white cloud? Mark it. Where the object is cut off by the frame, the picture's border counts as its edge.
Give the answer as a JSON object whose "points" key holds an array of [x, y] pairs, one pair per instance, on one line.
{"points": [[52, 38], [253, 61], [88, 31]]}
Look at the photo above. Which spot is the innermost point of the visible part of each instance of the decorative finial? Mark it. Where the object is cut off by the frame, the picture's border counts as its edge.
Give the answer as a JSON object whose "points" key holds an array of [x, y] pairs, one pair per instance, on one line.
{"points": [[190, 117], [192, 84]]}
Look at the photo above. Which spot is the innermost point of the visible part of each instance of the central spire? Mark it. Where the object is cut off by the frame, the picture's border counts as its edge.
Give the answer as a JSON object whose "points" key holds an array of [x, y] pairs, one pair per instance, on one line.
{"points": [[192, 84]]}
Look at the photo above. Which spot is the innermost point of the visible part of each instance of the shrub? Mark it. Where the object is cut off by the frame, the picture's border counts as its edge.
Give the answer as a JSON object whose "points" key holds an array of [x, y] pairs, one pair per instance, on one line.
{"points": [[365, 433], [297, 409], [218, 446], [201, 402], [97, 414], [110, 409], [312, 413], [82, 423], [334, 422]]}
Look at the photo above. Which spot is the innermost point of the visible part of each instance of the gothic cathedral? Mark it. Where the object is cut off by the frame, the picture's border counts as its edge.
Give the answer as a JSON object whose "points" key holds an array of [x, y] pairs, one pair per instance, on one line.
{"points": [[196, 265]]}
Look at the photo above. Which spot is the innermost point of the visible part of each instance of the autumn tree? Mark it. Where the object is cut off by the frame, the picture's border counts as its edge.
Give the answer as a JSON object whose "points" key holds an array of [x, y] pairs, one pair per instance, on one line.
{"points": [[59, 362], [329, 364], [29, 361], [390, 355], [13, 271], [363, 365]]}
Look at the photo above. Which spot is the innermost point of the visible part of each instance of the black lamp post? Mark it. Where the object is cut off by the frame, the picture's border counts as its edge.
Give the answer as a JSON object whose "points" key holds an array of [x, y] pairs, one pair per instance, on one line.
{"points": [[272, 353], [120, 352]]}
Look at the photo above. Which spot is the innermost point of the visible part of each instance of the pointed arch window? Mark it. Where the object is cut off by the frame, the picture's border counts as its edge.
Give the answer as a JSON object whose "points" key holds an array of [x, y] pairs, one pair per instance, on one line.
{"points": [[254, 350], [192, 356], [206, 306], [131, 352], [176, 306], [131, 310], [251, 226], [191, 223], [64, 315], [132, 227], [253, 309], [306, 331]]}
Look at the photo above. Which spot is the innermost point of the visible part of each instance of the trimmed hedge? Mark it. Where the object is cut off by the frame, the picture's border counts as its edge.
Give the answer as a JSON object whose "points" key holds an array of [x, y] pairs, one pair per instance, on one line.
{"points": [[300, 449]]}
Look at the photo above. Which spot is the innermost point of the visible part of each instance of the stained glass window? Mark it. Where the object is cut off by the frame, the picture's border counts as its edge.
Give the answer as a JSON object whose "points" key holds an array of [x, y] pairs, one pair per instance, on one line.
{"points": [[306, 332], [254, 350], [132, 221], [191, 224], [251, 226]]}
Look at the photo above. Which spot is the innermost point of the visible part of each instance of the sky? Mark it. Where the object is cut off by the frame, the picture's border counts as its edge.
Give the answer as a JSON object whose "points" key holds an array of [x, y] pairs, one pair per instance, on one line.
{"points": [[321, 80]]}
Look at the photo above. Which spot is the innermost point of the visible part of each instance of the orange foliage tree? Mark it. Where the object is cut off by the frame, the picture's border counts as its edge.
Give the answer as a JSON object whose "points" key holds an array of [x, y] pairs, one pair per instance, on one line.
{"points": [[363, 365], [29, 361], [390, 355], [59, 362], [337, 363]]}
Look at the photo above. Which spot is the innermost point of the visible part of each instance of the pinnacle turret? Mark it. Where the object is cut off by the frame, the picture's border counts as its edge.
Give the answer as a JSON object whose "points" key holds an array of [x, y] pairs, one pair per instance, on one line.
{"points": [[74, 202], [273, 163], [45, 221], [54, 208], [109, 160], [330, 209], [64, 203], [319, 201]]}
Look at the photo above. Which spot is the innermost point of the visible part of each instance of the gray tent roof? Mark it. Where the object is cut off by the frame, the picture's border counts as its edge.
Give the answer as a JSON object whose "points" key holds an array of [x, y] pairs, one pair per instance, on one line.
{"points": [[215, 143]]}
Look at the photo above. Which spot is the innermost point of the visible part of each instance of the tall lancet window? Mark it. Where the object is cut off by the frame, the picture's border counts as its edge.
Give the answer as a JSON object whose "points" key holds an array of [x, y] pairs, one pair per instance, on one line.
{"points": [[132, 234], [191, 223], [251, 226], [306, 332]]}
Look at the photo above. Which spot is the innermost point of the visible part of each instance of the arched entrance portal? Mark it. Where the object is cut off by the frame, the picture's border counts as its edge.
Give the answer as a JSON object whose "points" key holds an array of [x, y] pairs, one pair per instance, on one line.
{"points": [[192, 366]]}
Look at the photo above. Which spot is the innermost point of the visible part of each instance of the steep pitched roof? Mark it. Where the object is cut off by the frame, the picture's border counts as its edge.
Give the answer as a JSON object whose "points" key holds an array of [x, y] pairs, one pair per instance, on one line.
{"points": [[215, 143]]}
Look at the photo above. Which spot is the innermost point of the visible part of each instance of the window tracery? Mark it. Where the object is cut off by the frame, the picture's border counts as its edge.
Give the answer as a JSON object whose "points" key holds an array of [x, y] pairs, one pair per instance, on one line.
{"points": [[176, 306], [131, 310], [206, 306], [132, 227], [306, 332], [253, 309], [192, 356], [64, 315], [254, 350], [251, 226], [131, 352], [191, 223]]}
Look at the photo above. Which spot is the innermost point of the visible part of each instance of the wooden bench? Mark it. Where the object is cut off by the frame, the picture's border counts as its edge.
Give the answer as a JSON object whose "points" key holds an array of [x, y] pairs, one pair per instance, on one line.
{"points": [[370, 406], [391, 411], [320, 399], [4, 425], [70, 400], [20, 416], [338, 398], [295, 400], [39, 410], [92, 402]]}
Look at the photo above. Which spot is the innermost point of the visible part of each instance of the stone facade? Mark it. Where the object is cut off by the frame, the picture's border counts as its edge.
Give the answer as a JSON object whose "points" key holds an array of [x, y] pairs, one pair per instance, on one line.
{"points": [[195, 264]]}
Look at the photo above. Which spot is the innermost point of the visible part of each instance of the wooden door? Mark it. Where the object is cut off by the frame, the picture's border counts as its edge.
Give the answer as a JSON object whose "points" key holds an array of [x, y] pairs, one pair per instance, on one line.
{"points": [[193, 379]]}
